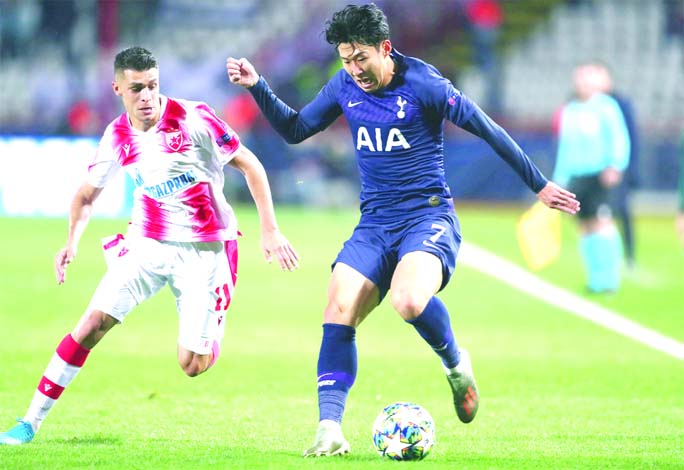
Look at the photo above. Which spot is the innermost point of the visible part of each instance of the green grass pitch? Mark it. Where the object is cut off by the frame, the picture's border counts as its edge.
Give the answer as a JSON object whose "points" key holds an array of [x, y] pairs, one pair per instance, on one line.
{"points": [[557, 391]]}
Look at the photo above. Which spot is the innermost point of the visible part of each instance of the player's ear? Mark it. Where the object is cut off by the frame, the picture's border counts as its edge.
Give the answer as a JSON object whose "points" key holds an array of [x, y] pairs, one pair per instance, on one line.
{"points": [[116, 88], [386, 47]]}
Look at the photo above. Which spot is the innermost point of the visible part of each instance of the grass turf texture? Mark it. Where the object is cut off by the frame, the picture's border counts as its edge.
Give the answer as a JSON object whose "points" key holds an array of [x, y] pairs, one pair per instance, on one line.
{"points": [[557, 391]]}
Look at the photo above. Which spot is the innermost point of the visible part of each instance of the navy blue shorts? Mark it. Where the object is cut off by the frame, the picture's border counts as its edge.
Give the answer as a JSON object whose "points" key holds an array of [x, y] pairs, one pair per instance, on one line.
{"points": [[375, 249], [592, 195]]}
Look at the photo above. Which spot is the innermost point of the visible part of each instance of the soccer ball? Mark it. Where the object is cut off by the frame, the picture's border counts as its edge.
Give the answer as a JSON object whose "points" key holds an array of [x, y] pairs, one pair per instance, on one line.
{"points": [[404, 431]]}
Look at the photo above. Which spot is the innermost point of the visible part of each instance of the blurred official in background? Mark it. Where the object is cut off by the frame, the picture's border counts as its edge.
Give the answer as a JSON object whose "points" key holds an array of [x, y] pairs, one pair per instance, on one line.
{"points": [[593, 153], [620, 195]]}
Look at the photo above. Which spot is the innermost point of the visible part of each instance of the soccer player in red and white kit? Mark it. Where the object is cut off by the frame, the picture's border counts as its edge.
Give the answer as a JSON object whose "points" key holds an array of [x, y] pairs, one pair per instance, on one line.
{"points": [[182, 231]]}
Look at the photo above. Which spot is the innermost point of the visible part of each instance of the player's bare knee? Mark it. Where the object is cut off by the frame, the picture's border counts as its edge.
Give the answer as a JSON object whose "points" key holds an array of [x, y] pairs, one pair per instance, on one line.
{"points": [[408, 303], [192, 370], [195, 366], [343, 315], [334, 311]]}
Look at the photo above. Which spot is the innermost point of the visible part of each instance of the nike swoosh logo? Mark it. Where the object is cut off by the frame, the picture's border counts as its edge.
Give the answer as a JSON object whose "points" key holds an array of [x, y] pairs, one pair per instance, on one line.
{"points": [[351, 105]]}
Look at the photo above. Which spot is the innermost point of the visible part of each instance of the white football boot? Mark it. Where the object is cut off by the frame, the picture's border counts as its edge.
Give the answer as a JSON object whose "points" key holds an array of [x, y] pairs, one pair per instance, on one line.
{"points": [[329, 440], [464, 389]]}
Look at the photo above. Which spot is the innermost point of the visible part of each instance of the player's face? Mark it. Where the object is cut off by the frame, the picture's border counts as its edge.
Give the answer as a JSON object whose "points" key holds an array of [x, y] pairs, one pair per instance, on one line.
{"points": [[139, 92], [371, 67], [587, 81], [605, 81]]}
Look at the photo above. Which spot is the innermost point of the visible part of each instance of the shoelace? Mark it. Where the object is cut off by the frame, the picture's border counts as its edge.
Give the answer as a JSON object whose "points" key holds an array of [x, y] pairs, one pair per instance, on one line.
{"points": [[23, 428]]}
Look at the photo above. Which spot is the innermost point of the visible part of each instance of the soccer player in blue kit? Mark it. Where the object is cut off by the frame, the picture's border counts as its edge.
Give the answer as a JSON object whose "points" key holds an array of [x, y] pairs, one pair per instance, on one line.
{"points": [[408, 235]]}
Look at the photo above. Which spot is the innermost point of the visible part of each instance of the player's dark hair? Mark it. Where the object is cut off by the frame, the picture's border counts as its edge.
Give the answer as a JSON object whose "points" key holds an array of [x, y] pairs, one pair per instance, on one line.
{"points": [[134, 58], [357, 24]]}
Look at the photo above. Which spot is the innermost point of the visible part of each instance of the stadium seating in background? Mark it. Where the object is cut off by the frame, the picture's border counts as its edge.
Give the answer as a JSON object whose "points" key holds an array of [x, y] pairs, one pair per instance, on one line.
{"points": [[539, 43], [628, 35]]}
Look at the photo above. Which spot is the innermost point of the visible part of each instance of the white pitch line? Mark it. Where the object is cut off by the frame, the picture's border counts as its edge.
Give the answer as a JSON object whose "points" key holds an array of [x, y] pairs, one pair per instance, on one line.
{"points": [[510, 273]]}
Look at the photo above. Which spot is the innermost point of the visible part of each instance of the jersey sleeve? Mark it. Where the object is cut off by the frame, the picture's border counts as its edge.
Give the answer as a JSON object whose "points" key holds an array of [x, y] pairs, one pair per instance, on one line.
{"points": [[218, 136], [483, 126], [105, 164], [443, 99], [295, 126]]}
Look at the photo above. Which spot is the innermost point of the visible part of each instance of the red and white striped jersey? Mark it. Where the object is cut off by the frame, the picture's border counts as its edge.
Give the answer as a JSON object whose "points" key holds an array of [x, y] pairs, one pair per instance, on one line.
{"points": [[177, 167]]}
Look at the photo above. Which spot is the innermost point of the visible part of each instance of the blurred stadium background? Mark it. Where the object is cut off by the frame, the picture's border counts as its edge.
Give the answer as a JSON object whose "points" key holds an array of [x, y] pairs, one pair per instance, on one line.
{"points": [[56, 68]]}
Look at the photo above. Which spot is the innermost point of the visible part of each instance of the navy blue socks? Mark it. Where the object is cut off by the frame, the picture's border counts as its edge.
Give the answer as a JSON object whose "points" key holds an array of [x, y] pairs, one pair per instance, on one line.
{"points": [[434, 326], [336, 370], [337, 358]]}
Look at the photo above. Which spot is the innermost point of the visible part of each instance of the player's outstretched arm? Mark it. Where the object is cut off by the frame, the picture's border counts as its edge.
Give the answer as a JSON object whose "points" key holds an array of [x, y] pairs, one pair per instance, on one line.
{"points": [[294, 126], [555, 197], [550, 193], [273, 243], [241, 72], [79, 215]]}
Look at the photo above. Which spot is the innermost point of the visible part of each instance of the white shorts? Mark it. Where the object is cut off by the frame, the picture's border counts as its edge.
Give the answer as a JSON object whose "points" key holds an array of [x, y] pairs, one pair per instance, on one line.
{"points": [[201, 276]]}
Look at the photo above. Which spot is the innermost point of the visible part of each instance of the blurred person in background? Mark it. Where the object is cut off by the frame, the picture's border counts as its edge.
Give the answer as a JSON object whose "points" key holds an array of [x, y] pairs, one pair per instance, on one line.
{"points": [[182, 231], [408, 237], [620, 195], [674, 19], [593, 152], [19, 23], [58, 19], [679, 218], [485, 18], [82, 119]]}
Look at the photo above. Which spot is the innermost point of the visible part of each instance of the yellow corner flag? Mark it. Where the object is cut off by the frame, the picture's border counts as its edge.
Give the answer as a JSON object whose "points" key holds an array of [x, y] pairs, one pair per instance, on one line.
{"points": [[539, 235]]}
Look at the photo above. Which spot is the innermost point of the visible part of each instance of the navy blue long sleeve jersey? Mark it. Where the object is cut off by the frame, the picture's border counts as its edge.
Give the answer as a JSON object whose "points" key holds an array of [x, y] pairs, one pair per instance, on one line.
{"points": [[398, 133]]}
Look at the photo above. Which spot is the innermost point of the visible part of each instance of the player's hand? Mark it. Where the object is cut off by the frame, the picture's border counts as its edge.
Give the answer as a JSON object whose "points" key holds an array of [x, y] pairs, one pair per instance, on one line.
{"points": [[62, 258], [610, 177], [274, 243], [555, 197], [241, 72], [679, 226]]}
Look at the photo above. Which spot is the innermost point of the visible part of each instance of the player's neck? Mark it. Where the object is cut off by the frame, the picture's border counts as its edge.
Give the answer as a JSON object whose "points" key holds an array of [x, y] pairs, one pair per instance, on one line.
{"points": [[141, 126], [391, 68]]}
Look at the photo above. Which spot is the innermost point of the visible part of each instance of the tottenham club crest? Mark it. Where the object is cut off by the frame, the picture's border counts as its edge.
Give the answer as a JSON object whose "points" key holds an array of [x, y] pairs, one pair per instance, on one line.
{"points": [[174, 140], [401, 103]]}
